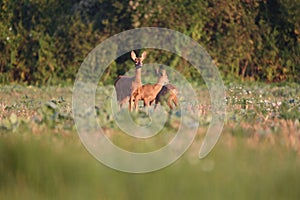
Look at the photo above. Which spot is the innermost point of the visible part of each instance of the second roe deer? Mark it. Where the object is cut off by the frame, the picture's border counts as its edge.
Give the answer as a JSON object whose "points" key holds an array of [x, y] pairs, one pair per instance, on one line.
{"points": [[148, 92], [168, 93], [125, 85]]}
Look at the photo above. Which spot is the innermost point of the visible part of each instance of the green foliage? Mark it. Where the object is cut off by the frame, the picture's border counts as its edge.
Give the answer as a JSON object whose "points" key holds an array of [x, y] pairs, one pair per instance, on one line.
{"points": [[45, 41]]}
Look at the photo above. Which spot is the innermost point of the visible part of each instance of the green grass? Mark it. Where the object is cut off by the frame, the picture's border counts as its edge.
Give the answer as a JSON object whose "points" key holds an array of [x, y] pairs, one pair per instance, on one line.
{"points": [[47, 168], [257, 156]]}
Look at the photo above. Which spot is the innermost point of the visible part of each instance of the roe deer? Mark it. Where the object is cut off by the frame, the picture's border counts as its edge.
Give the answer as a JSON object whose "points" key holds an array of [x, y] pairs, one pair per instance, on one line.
{"points": [[167, 93], [125, 85], [148, 92]]}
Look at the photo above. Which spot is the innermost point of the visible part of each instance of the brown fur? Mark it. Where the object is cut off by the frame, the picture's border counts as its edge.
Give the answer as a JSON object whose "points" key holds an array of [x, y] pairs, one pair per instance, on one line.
{"points": [[147, 92], [125, 85], [168, 93]]}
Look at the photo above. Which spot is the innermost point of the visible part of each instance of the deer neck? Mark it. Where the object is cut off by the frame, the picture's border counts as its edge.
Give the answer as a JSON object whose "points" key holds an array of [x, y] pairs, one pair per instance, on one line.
{"points": [[162, 80], [159, 85], [138, 72]]}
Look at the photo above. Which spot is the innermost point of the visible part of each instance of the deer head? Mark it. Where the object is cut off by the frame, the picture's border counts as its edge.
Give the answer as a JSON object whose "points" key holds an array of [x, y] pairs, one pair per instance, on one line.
{"points": [[138, 60], [163, 79]]}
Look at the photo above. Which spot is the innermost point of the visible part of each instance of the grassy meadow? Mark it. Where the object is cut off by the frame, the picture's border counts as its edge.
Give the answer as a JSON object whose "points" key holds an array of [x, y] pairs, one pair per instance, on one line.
{"points": [[254, 45], [256, 157]]}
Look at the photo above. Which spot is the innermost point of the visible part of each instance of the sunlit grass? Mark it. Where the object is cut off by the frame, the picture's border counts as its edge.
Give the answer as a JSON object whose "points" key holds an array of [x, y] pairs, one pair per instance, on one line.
{"points": [[257, 156], [43, 168]]}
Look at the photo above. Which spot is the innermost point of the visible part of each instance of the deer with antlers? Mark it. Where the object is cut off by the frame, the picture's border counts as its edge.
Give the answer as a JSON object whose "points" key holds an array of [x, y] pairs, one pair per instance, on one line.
{"points": [[148, 92], [125, 85]]}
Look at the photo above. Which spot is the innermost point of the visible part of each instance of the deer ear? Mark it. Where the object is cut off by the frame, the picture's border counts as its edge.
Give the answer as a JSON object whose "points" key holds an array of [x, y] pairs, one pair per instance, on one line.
{"points": [[157, 71], [133, 56], [143, 55]]}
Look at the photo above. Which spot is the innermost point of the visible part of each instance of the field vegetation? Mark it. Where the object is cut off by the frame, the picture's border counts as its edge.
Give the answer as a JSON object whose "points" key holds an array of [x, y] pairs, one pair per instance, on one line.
{"points": [[254, 43], [257, 155]]}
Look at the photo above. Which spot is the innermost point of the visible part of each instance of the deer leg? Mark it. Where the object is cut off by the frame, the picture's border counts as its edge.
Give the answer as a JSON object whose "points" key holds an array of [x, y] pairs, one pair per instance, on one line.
{"points": [[151, 102], [122, 103], [155, 105], [130, 103], [170, 103], [137, 99], [136, 104], [175, 100], [147, 104]]}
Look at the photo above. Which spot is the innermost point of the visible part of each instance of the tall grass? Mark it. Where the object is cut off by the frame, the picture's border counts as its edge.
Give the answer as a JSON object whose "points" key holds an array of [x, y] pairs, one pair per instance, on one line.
{"points": [[46, 168], [257, 156]]}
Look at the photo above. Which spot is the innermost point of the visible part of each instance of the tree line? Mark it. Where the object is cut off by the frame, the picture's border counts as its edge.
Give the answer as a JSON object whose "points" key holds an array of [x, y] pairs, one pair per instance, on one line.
{"points": [[45, 41]]}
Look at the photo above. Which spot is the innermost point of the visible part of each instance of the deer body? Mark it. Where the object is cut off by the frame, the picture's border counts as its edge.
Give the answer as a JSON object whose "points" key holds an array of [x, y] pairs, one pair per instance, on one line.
{"points": [[125, 85], [168, 93], [147, 92]]}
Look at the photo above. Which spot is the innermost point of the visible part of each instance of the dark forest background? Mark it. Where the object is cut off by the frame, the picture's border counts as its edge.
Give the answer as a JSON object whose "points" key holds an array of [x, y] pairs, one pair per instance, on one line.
{"points": [[45, 41]]}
